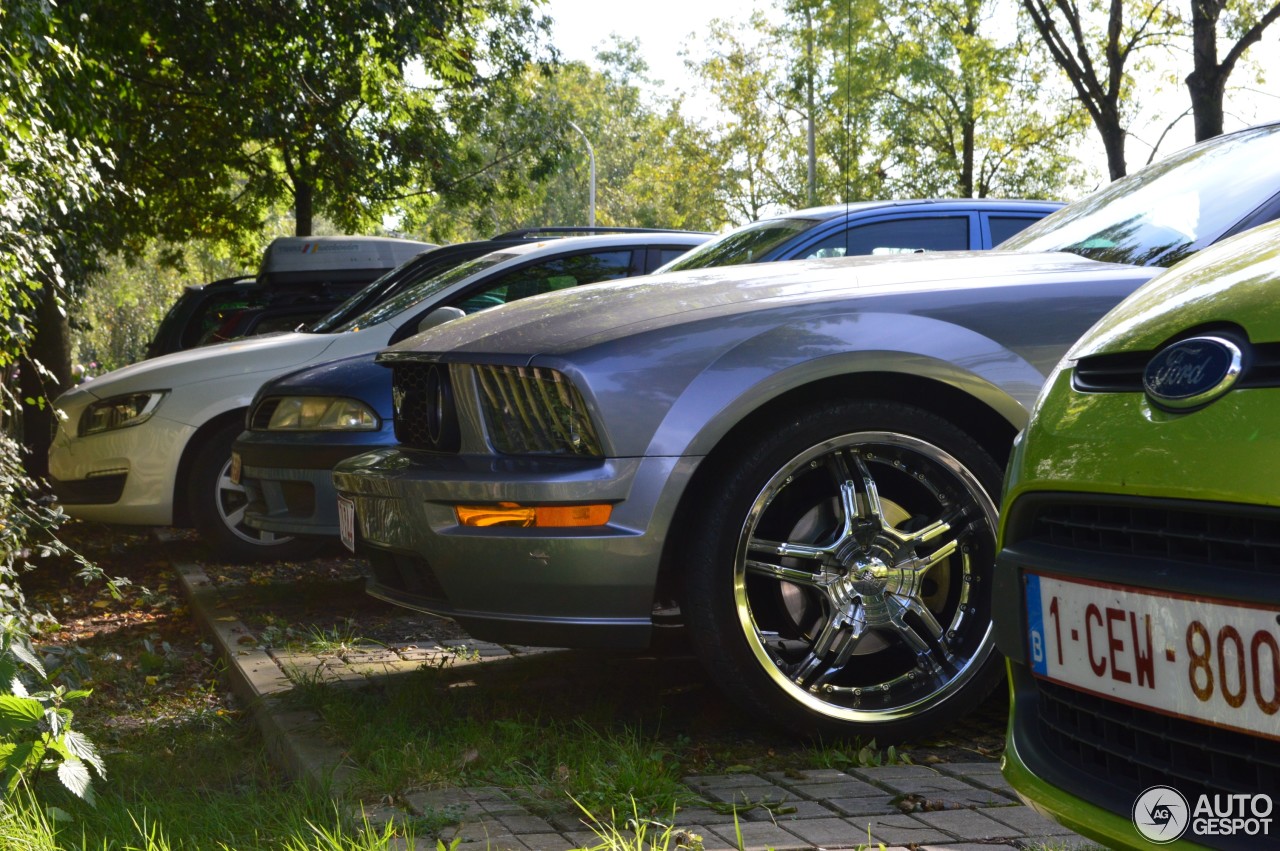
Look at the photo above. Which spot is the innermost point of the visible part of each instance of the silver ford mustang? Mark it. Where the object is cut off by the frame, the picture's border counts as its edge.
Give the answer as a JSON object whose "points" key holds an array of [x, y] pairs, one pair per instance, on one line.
{"points": [[798, 464]]}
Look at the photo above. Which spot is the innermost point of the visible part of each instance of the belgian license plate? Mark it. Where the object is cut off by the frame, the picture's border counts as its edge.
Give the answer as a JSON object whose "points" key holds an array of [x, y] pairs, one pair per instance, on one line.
{"points": [[347, 522], [1212, 661], [236, 464]]}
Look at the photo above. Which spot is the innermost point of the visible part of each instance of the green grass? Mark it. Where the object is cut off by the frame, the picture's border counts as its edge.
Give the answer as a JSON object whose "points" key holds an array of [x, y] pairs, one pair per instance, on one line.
{"points": [[197, 785]]}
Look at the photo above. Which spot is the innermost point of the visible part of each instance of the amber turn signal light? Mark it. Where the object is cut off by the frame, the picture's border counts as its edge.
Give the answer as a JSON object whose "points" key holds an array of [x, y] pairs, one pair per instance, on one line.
{"points": [[541, 516]]}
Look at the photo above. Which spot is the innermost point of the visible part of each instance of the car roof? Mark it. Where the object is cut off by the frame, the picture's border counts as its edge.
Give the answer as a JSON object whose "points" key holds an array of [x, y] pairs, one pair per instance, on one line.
{"points": [[630, 239], [831, 211]]}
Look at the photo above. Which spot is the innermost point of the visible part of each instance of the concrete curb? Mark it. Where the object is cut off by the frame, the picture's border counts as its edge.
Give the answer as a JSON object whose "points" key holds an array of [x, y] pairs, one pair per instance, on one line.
{"points": [[294, 737]]}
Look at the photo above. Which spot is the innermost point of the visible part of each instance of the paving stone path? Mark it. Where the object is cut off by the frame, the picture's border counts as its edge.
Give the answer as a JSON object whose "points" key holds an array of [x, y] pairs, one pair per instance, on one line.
{"points": [[956, 806]]}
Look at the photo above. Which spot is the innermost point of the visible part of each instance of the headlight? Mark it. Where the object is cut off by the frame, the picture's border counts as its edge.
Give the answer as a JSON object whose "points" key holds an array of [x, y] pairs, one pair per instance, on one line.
{"points": [[322, 413], [120, 411], [535, 411]]}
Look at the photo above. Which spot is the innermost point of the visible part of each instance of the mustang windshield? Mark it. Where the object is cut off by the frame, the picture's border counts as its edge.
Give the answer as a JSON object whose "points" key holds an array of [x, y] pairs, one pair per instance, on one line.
{"points": [[744, 245], [1169, 210]]}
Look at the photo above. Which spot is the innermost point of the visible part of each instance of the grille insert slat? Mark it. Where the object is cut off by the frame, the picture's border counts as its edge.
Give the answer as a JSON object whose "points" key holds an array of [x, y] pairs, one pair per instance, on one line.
{"points": [[1225, 540], [1136, 748]]}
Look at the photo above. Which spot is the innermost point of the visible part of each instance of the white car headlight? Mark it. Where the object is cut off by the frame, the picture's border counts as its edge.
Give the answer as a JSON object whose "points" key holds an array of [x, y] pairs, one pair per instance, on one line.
{"points": [[322, 413], [116, 412]]}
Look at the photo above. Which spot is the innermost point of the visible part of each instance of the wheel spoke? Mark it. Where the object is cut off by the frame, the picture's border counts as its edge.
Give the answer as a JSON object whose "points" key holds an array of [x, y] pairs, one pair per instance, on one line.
{"points": [[788, 550], [785, 574], [919, 564], [870, 494], [829, 651], [235, 518]]}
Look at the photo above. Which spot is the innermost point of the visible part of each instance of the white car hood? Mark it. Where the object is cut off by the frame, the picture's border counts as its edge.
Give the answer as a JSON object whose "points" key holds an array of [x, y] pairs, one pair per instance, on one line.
{"points": [[238, 357]]}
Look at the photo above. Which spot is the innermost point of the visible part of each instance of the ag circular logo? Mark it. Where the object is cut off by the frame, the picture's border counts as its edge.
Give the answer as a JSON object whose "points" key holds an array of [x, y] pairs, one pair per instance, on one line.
{"points": [[1192, 373], [1161, 814]]}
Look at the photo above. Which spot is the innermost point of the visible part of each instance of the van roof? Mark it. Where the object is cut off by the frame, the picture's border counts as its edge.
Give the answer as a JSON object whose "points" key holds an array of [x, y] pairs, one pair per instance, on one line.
{"points": [[288, 254]]}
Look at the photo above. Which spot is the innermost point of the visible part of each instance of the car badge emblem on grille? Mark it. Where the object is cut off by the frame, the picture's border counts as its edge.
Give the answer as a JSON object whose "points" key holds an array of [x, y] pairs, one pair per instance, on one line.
{"points": [[397, 399], [1192, 373]]}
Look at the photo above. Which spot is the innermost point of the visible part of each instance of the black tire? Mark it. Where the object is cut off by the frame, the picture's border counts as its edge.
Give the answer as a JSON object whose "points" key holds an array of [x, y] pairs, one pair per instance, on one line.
{"points": [[217, 508], [857, 626]]}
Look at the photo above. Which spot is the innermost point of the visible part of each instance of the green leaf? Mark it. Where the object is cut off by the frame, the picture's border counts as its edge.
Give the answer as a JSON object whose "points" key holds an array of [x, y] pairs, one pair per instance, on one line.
{"points": [[24, 654], [84, 749], [18, 713], [75, 776]]}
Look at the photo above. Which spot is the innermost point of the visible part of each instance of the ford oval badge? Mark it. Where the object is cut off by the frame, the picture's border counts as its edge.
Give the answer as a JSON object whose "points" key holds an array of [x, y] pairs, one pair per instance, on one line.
{"points": [[1192, 373]]}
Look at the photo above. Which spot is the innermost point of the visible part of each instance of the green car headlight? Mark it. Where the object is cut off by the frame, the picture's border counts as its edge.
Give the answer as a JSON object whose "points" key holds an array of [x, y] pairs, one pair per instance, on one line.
{"points": [[535, 411], [116, 412], [322, 413]]}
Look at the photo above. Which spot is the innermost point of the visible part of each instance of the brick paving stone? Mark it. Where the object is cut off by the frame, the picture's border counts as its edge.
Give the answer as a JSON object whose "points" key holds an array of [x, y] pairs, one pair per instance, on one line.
{"points": [[935, 785], [759, 836], [863, 806], [1026, 820], [545, 841], [702, 815], [381, 669], [1061, 842], [725, 781], [356, 656], [580, 839], [526, 823], [422, 654], [808, 775], [850, 788], [829, 833], [968, 769], [898, 830], [969, 825], [970, 797], [801, 810], [710, 841]]}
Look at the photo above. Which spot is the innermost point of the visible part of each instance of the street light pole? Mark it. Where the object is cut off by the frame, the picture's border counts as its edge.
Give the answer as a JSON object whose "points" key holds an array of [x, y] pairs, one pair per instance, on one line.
{"points": [[591, 156]]}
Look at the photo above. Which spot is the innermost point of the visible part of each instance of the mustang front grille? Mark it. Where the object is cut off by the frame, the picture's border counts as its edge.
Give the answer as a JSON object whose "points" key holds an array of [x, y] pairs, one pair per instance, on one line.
{"points": [[535, 411]]}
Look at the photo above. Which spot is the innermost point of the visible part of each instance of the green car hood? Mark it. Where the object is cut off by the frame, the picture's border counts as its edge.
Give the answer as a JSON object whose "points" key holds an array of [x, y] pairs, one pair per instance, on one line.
{"points": [[1119, 442]]}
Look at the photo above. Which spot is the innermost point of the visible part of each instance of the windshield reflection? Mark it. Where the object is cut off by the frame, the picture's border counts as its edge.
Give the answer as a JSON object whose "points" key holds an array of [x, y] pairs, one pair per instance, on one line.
{"points": [[410, 295], [1169, 210], [744, 245]]}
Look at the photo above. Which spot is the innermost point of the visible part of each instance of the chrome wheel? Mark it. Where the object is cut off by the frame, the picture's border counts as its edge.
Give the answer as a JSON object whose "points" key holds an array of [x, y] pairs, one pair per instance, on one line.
{"points": [[859, 577]]}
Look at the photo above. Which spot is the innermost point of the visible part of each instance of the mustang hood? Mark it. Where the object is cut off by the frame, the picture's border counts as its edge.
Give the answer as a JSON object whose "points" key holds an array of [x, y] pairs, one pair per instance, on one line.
{"points": [[557, 322], [192, 366]]}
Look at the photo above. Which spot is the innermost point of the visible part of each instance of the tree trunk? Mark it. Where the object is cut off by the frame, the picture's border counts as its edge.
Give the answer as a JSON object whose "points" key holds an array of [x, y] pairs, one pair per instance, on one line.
{"points": [[1113, 141], [51, 346], [302, 210], [1206, 83]]}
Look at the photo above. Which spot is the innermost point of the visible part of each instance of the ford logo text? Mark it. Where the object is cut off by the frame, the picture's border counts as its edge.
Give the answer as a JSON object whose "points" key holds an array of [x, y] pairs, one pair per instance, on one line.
{"points": [[1192, 373]]}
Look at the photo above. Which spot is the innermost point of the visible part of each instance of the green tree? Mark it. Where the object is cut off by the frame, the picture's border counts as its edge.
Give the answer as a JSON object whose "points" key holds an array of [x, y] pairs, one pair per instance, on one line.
{"points": [[653, 167], [971, 113]]}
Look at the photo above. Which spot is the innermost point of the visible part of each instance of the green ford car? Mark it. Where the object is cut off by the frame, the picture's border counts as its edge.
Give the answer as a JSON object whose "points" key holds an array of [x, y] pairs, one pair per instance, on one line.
{"points": [[1138, 587]]}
